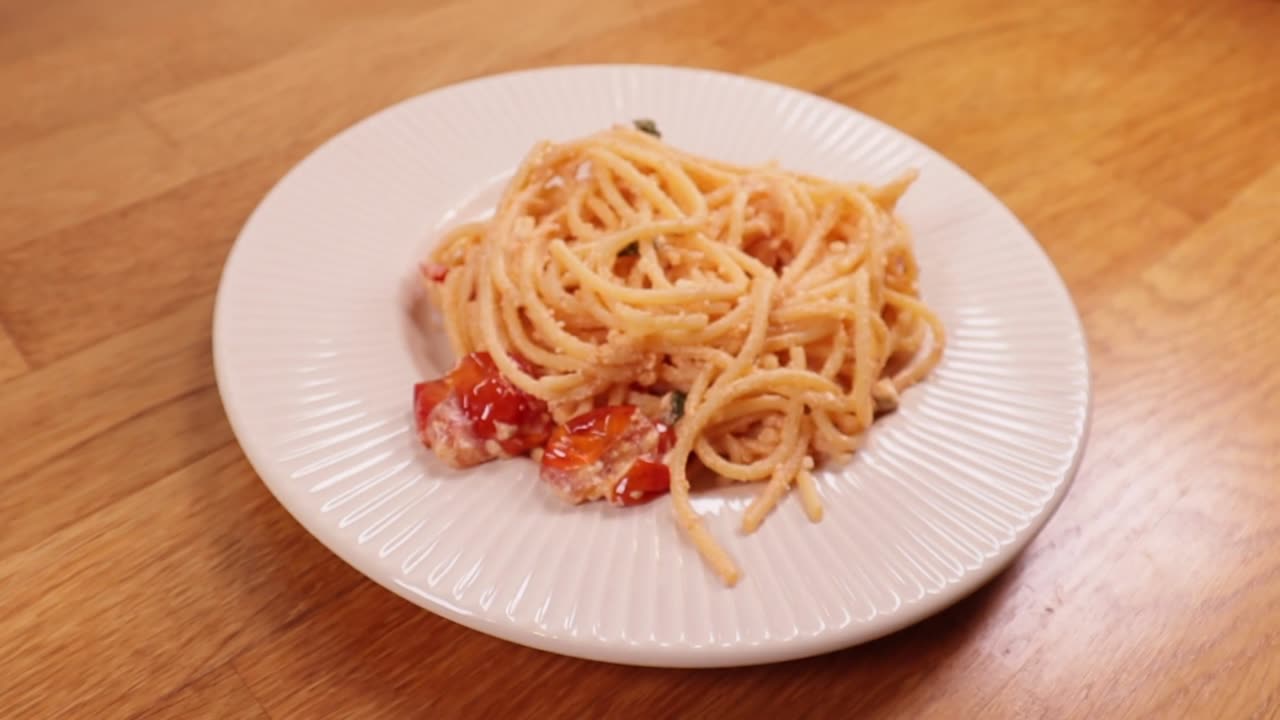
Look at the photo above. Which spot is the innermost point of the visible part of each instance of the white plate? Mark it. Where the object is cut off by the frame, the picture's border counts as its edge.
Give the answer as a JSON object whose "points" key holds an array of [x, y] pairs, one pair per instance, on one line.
{"points": [[317, 348]]}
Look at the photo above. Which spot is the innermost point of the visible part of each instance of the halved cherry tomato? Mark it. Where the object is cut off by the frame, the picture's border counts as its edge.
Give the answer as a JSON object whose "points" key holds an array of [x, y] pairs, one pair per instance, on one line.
{"points": [[643, 482], [666, 437], [435, 272], [611, 452], [584, 439], [494, 408], [426, 396], [499, 410]]}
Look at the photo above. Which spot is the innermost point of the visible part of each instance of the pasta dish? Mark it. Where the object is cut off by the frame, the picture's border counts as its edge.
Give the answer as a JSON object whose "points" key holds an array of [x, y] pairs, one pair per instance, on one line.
{"points": [[636, 318]]}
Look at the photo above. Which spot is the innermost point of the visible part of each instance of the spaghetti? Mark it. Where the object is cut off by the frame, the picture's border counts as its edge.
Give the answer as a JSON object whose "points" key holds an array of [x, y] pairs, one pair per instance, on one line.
{"points": [[781, 310]]}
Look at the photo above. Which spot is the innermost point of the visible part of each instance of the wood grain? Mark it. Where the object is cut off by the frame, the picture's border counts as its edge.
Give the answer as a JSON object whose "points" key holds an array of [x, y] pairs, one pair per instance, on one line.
{"points": [[146, 572], [12, 363], [220, 694]]}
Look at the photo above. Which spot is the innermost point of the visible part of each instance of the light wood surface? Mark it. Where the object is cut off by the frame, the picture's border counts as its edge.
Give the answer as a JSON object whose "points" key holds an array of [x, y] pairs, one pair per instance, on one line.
{"points": [[145, 570]]}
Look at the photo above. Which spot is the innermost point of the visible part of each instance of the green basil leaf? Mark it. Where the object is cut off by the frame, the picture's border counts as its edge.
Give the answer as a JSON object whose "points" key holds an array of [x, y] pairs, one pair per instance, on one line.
{"points": [[677, 406], [648, 126]]}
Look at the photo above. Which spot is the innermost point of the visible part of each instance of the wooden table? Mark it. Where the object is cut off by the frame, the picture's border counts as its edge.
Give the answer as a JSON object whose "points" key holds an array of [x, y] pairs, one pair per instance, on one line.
{"points": [[145, 570]]}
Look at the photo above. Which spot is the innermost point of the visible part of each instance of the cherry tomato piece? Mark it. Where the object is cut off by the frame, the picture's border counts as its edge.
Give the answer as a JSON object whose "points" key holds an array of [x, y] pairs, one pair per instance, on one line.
{"points": [[612, 453], [584, 439], [483, 405], [435, 272], [426, 396], [643, 482]]}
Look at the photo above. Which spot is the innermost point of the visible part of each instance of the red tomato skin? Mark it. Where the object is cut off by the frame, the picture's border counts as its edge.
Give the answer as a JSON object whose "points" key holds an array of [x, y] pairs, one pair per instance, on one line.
{"points": [[612, 453]]}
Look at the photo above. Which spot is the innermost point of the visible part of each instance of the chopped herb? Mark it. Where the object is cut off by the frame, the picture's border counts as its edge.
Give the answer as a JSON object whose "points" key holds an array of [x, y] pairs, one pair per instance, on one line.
{"points": [[632, 249], [677, 406], [647, 125]]}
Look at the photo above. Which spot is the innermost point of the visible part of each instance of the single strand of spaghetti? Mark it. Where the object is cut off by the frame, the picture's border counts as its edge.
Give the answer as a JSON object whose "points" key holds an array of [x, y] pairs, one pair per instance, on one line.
{"points": [[837, 402], [575, 219], [761, 468], [717, 223], [644, 208], [759, 445], [752, 406], [641, 322], [752, 472], [726, 265], [594, 306], [489, 326], [737, 217], [648, 262], [532, 351], [686, 435], [509, 228], [836, 440], [560, 350], [693, 398], [754, 344], [451, 311], [722, 194], [780, 480], [915, 371], [876, 259], [910, 332], [828, 312], [782, 339], [733, 447], [679, 377], [636, 296], [809, 495], [888, 195], [814, 241], [608, 246], [576, 358], [809, 198], [748, 262], [714, 308], [794, 225], [466, 298], [739, 424], [849, 424], [702, 354], [603, 211], [798, 197], [454, 243], [552, 289], [866, 209], [541, 315], [862, 351], [705, 544], [634, 277], [640, 184], [545, 387], [839, 347], [712, 172], [761, 381], [613, 197], [798, 359], [520, 181], [826, 280], [680, 186], [883, 349], [650, 405]]}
